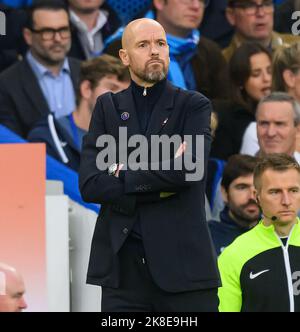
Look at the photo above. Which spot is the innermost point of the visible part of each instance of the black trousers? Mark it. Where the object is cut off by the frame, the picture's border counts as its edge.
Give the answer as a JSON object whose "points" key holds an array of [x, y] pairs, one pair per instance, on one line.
{"points": [[139, 293]]}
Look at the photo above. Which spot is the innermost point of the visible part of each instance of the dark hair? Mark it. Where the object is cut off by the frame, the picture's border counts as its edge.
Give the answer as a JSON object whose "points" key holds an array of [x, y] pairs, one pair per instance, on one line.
{"points": [[240, 71], [54, 5], [237, 165], [278, 162], [95, 69]]}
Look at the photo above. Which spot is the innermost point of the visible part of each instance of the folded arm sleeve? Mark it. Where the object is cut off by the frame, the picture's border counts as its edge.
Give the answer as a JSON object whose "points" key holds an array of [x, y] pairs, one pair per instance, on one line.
{"points": [[197, 123]]}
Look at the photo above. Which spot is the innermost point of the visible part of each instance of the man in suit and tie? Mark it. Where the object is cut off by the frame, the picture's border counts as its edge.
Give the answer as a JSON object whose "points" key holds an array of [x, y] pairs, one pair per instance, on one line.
{"points": [[45, 80], [151, 249]]}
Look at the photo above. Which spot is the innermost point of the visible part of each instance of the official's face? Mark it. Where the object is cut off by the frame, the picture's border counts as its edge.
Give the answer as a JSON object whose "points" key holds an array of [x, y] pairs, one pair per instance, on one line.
{"points": [[146, 53], [280, 194]]}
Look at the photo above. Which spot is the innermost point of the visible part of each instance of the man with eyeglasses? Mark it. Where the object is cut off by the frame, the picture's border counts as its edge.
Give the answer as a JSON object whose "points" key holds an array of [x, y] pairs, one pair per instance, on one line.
{"points": [[45, 80], [253, 21]]}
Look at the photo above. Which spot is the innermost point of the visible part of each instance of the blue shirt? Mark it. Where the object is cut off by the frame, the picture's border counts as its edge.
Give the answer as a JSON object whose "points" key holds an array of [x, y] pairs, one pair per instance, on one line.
{"points": [[58, 90]]}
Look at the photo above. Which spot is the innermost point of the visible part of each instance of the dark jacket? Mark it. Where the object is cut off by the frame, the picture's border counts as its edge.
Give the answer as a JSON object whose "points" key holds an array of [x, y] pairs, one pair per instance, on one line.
{"points": [[108, 29], [225, 231], [175, 233], [233, 120], [209, 66], [12, 44], [41, 132], [22, 102]]}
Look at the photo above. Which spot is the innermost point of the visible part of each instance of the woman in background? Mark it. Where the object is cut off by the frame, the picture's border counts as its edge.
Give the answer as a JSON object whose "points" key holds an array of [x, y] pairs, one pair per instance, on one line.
{"points": [[285, 78], [250, 80]]}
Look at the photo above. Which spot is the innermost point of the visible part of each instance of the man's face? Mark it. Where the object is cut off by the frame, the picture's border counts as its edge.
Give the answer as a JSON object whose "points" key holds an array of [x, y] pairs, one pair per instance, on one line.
{"points": [[147, 54], [279, 194], [177, 16], [85, 6], [240, 199], [252, 26], [109, 83], [276, 130], [13, 300], [51, 51]]}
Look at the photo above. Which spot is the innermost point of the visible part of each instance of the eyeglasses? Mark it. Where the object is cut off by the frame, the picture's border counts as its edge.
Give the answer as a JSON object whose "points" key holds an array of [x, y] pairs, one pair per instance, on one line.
{"points": [[49, 34], [204, 3], [251, 8]]}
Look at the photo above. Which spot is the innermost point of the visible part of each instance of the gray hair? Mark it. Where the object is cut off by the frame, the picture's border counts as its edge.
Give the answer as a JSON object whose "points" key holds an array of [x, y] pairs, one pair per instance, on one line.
{"points": [[283, 97]]}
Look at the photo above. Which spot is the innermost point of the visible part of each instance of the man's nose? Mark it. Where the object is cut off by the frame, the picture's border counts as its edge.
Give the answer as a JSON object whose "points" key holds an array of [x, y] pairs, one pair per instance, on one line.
{"points": [[23, 305], [271, 131], [252, 194], [57, 36], [285, 200], [154, 49]]}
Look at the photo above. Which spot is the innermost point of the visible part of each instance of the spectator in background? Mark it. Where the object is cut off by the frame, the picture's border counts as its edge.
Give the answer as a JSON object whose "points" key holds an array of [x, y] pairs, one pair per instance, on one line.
{"points": [[196, 62], [250, 80], [12, 290], [276, 129], [285, 78], [12, 44], [215, 25], [45, 80], [91, 23], [241, 211], [97, 76], [253, 21]]}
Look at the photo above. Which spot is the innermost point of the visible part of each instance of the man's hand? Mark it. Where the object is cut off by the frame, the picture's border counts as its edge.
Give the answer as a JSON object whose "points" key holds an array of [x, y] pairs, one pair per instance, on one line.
{"points": [[120, 166], [181, 149]]}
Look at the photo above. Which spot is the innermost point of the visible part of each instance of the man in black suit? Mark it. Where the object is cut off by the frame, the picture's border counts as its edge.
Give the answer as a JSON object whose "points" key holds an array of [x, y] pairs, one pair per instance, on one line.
{"points": [[45, 80], [151, 249]]}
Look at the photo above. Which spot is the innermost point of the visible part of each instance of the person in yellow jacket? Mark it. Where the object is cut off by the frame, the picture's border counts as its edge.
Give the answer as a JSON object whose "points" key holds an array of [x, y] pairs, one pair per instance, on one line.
{"points": [[253, 21], [260, 270]]}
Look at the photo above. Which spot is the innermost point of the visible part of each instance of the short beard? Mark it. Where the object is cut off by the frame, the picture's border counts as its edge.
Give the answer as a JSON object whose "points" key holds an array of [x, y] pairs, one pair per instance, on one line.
{"points": [[153, 76]]}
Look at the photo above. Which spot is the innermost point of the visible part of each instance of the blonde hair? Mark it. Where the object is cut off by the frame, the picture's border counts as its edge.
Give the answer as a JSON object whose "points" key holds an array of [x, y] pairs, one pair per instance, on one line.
{"points": [[285, 58]]}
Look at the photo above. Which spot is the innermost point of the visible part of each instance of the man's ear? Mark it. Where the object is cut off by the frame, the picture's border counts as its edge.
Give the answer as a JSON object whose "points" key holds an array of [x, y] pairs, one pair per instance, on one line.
{"points": [[224, 195], [229, 13], [124, 57], [85, 89], [27, 34], [289, 78], [158, 4], [257, 197]]}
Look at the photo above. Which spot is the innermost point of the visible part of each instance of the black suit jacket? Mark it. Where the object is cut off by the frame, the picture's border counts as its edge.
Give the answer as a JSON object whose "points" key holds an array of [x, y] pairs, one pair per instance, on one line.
{"points": [[175, 234], [22, 103]]}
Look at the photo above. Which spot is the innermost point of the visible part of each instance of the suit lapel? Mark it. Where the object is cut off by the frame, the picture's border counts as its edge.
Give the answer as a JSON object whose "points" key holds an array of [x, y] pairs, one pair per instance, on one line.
{"points": [[127, 105], [162, 111], [33, 90]]}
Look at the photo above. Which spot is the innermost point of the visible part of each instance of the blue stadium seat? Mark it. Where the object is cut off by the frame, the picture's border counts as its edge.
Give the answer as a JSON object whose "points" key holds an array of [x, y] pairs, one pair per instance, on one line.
{"points": [[128, 9]]}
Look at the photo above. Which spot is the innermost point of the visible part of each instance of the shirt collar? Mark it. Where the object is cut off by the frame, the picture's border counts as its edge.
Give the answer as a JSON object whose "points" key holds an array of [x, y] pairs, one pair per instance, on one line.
{"points": [[81, 26], [40, 70]]}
